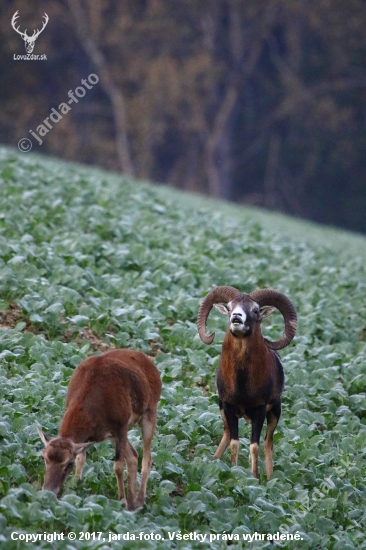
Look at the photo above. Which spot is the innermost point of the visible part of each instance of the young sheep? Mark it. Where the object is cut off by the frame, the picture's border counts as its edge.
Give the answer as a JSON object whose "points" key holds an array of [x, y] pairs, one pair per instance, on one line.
{"points": [[107, 394], [250, 378]]}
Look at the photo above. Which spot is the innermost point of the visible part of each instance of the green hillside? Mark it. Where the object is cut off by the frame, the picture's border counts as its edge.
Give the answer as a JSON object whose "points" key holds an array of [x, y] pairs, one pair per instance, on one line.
{"points": [[88, 261]]}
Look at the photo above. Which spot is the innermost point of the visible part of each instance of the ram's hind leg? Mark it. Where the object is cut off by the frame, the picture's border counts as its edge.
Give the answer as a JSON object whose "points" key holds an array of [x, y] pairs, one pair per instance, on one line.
{"points": [[224, 443], [273, 417], [148, 423]]}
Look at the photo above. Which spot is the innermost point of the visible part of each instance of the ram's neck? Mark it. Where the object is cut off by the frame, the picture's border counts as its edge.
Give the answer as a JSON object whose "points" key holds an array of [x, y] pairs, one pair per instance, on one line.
{"points": [[245, 352], [245, 366]]}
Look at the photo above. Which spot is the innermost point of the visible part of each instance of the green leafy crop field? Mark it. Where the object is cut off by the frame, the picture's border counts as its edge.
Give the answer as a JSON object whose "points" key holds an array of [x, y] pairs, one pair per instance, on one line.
{"points": [[89, 261]]}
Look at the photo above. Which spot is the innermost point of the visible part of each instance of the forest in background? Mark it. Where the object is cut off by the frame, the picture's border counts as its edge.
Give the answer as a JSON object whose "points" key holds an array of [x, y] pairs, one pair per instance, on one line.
{"points": [[258, 102]]}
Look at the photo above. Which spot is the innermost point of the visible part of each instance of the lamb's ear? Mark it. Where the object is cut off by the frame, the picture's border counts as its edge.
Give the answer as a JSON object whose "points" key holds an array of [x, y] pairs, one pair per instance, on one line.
{"points": [[44, 437], [81, 447], [266, 311], [222, 308]]}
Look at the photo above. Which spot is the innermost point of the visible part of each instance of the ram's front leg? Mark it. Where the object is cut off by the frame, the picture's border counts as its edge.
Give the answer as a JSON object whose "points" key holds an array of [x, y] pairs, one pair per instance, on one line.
{"points": [[232, 424], [225, 440], [257, 417]]}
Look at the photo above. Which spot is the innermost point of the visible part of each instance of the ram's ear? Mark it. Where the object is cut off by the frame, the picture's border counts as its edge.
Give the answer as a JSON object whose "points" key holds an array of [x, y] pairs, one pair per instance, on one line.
{"points": [[222, 308], [44, 437], [266, 311]]}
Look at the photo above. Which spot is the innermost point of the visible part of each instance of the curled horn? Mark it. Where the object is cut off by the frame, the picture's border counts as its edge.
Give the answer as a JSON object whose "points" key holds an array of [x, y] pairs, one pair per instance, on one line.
{"points": [[269, 297], [218, 294]]}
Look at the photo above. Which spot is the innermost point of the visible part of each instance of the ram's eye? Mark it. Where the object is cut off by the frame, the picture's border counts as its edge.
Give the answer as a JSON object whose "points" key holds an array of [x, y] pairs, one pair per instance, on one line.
{"points": [[255, 310], [69, 466]]}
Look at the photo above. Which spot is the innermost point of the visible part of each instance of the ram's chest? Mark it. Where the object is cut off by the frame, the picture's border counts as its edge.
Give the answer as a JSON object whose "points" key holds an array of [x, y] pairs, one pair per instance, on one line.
{"points": [[245, 385], [253, 386]]}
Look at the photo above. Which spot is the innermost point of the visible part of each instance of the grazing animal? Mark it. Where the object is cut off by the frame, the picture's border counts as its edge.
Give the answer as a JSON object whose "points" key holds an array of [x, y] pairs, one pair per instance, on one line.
{"points": [[250, 378], [107, 394]]}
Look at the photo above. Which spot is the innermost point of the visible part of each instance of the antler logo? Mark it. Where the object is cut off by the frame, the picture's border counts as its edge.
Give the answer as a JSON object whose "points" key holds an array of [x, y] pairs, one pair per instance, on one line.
{"points": [[28, 40]]}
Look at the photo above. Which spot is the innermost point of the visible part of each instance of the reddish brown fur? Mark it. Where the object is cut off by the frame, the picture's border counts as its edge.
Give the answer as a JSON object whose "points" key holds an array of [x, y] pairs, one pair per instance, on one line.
{"points": [[250, 377], [250, 382], [259, 363], [240, 353], [106, 395], [92, 413]]}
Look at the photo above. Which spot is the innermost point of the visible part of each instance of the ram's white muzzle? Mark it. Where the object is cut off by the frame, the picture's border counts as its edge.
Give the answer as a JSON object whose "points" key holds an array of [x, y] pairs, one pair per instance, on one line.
{"points": [[237, 320]]}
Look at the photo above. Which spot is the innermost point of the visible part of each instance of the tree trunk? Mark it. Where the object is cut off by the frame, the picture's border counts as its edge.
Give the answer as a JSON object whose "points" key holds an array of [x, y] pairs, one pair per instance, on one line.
{"points": [[214, 140], [114, 94]]}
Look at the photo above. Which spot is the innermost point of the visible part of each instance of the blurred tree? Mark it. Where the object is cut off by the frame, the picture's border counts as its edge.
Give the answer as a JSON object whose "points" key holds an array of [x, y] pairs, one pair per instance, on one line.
{"points": [[257, 101], [88, 42]]}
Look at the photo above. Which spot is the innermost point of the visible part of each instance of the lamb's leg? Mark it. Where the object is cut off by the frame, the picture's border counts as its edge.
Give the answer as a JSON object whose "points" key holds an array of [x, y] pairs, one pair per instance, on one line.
{"points": [[131, 462], [148, 423], [120, 446], [80, 462]]}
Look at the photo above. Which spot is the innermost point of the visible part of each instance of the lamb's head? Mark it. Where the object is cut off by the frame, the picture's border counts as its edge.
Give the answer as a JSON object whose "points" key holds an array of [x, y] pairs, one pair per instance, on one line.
{"points": [[59, 457], [246, 311]]}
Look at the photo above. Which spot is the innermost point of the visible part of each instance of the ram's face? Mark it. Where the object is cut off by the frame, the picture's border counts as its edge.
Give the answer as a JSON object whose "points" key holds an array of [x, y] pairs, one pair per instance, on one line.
{"points": [[243, 316]]}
